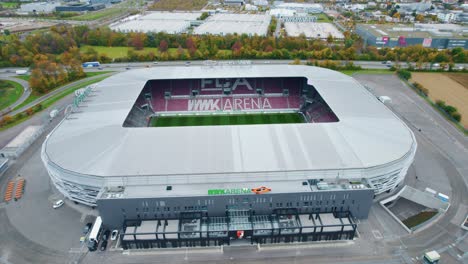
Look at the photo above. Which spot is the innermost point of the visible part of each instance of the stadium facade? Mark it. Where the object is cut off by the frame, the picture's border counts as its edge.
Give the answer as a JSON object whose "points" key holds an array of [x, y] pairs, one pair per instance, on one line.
{"points": [[204, 184]]}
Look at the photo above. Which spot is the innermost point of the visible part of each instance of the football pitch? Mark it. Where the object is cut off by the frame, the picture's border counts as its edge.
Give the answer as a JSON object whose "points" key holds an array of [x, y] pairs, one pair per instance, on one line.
{"points": [[225, 119]]}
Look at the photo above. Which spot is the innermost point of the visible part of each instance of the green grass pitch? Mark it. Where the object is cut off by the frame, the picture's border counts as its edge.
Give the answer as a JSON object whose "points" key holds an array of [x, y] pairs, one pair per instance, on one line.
{"points": [[220, 120]]}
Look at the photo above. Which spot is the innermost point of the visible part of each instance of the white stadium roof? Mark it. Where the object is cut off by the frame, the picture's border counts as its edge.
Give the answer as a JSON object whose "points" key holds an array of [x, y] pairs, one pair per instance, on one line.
{"points": [[94, 142]]}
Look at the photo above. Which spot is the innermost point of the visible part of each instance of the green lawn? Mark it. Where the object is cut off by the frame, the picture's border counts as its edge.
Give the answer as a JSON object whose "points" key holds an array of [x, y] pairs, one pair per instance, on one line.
{"points": [[323, 18], [367, 71], [46, 103], [34, 96], [418, 219], [94, 15], [226, 119], [9, 5], [24, 77], [121, 52], [10, 92]]}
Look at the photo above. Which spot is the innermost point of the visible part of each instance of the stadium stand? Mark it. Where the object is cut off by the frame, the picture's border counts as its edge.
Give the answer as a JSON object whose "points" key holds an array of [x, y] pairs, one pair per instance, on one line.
{"points": [[242, 94]]}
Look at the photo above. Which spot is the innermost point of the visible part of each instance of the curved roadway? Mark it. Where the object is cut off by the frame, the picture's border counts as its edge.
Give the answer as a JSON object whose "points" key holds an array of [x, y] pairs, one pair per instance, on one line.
{"points": [[24, 96]]}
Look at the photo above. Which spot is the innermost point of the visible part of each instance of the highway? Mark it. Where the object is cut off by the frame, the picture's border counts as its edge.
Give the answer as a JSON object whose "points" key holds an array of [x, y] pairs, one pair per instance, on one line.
{"points": [[132, 65]]}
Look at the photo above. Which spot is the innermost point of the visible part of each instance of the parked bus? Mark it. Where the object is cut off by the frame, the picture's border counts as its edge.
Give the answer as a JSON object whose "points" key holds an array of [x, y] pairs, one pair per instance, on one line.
{"points": [[94, 235], [90, 64]]}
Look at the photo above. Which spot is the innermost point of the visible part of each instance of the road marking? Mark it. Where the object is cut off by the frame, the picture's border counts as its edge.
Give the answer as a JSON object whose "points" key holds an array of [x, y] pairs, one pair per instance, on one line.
{"points": [[75, 250], [377, 234]]}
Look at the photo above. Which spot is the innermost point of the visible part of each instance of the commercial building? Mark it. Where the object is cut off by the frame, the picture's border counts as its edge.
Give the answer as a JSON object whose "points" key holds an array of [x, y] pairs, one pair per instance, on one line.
{"points": [[297, 27], [439, 36], [301, 7], [205, 185], [223, 24], [168, 22], [80, 7], [39, 7]]}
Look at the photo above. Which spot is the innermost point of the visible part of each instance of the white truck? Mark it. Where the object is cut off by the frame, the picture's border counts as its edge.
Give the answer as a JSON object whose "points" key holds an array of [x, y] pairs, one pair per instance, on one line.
{"points": [[21, 72]]}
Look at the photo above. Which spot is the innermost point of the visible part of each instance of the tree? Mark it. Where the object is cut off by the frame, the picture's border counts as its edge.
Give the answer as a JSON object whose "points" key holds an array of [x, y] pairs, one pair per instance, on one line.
{"points": [[163, 46], [137, 41], [236, 48], [405, 74], [419, 18], [330, 39], [204, 15], [191, 46]]}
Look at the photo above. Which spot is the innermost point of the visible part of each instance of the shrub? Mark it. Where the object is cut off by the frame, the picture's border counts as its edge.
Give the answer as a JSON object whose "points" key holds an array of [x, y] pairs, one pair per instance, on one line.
{"points": [[440, 103], [405, 74], [29, 111], [457, 116], [6, 120], [19, 116], [421, 88], [296, 62], [450, 109]]}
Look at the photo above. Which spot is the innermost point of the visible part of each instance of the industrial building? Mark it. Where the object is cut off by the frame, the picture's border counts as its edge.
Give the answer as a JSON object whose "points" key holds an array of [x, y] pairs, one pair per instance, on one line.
{"points": [[207, 185], [296, 27], [38, 7], [168, 22], [79, 7], [300, 7], [439, 36], [223, 24]]}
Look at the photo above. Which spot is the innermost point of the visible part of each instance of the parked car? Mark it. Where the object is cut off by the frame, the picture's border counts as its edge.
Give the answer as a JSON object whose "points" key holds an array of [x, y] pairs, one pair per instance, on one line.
{"points": [[58, 204], [87, 228], [114, 234], [105, 235], [155, 62], [103, 245]]}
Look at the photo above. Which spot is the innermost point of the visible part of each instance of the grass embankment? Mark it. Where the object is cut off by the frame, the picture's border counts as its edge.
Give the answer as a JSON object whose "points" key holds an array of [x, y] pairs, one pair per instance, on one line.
{"points": [[10, 92], [33, 96], [323, 18], [178, 5], [9, 5], [121, 52], [418, 219], [50, 101], [367, 71], [95, 15]]}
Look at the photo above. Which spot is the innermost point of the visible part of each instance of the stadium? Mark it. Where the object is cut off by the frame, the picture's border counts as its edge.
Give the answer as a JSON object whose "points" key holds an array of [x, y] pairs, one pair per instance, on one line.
{"points": [[173, 155]]}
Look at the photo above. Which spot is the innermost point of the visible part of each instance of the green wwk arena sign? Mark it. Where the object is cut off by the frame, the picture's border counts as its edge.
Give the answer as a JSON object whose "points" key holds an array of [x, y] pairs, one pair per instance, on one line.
{"points": [[229, 191]]}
